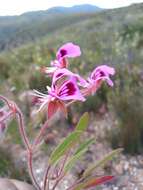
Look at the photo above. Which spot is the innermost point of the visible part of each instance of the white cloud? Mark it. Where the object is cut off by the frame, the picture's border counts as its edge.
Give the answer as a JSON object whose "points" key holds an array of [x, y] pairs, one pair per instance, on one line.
{"points": [[11, 7]]}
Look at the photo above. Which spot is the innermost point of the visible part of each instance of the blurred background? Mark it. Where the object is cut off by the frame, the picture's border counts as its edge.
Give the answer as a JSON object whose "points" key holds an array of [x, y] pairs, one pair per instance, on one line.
{"points": [[108, 33]]}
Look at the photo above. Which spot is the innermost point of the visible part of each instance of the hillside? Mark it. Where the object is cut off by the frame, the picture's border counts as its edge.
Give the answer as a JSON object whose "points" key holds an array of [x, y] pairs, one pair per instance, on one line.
{"points": [[110, 36], [17, 30]]}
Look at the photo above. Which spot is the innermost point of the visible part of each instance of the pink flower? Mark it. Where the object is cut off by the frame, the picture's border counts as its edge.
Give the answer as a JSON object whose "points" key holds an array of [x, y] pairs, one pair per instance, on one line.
{"points": [[102, 72], [99, 74], [58, 95], [67, 91], [68, 50]]}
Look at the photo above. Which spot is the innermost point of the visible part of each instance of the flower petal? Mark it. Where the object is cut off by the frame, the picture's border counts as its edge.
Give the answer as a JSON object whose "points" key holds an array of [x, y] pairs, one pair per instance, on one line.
{"points": [[65, 72], [68, 50], [70, 91], [102, 71]]}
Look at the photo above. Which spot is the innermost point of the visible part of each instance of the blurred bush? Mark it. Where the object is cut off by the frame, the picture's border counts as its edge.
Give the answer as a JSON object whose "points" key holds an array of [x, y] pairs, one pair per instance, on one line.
{"points": [[4, 69], [95, 102], [8, 168], [126, 102], [38, 81]]}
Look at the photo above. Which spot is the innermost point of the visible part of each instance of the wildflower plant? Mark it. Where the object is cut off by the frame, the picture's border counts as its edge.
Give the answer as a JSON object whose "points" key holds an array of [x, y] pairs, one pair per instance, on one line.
{"points": [[66, 88]]}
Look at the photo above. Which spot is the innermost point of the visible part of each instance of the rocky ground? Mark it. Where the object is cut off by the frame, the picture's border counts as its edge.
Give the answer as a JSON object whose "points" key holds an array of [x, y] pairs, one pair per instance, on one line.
{"points": [[128, 170]]}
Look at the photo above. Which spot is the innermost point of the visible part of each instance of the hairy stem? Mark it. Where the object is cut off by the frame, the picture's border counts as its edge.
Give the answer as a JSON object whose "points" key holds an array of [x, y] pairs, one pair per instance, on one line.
{"points": [[46, 178], [57, 181], [40, 134], [16, 110], [30, 167], [28, 147], [64, 162], [22, 130]]}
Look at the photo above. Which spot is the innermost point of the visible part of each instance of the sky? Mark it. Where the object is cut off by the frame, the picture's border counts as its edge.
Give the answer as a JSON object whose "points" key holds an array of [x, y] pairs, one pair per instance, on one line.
{"points": [[16, 7]]}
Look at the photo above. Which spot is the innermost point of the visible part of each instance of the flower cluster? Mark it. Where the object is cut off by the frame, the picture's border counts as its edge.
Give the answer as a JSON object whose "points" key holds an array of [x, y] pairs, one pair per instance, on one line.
{"points": [[68, 87]]}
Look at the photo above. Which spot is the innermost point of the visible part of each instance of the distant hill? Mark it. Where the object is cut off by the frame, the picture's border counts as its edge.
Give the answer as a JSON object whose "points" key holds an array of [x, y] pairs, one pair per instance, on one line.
{"points": [[86, 8], [30, 26]]}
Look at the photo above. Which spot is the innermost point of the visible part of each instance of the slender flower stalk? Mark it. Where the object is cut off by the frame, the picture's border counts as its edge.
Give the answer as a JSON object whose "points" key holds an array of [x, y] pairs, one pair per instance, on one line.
{"points": [[22, 130], [57, 181], [28, 147], [64, 162], [30, 167], [45, 179], [17, 112], [40, 134]]}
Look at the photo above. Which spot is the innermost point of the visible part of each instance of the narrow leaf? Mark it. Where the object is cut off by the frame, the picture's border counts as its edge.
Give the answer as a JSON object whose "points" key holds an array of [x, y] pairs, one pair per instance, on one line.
{"points": [[73, 160], [97, 181], [84, 145], [83, 122], [100, 163], [67, 144]]}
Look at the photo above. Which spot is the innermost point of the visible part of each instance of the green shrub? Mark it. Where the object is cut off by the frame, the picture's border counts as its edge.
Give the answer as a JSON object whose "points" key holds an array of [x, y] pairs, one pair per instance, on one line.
{"points": [[94, 102], [4, 69], [37, 80], [127, 104], [8, 168]]}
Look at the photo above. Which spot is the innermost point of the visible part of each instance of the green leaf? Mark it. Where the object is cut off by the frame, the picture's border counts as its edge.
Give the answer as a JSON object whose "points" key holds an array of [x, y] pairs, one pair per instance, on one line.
{"points": [[84, 145], [100, 163], [80, 151], [83, 122], [73, 160], [67, 144]]}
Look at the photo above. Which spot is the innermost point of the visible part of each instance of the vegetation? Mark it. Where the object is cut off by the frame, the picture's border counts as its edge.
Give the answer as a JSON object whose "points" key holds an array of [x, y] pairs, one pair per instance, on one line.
{"points": [[114, 37]]}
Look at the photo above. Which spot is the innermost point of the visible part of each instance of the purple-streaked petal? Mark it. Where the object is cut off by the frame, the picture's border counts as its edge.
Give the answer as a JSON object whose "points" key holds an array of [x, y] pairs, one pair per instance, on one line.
{"points": [[102, 71], [70, 91], [68, 50], [65, 72], [106, 69]]}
